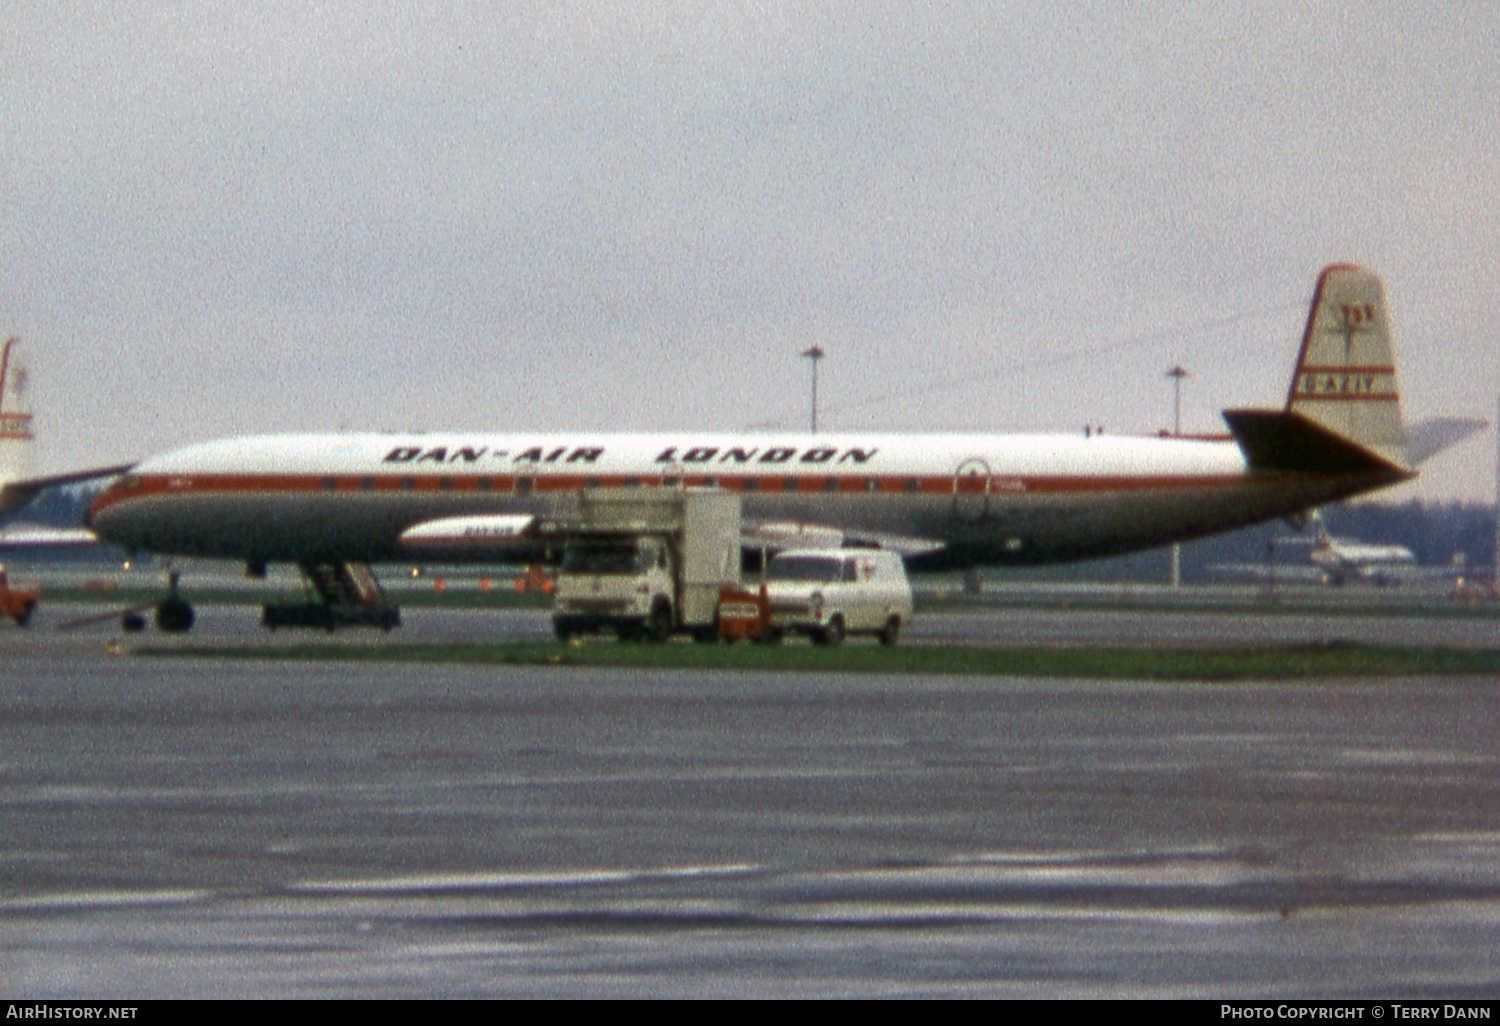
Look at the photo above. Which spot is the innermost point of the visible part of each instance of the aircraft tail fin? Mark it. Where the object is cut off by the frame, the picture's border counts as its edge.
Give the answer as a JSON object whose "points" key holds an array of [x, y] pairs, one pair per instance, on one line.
{"points": [[1346, 372], [17, 486], [1343, 413], [15, 415]]}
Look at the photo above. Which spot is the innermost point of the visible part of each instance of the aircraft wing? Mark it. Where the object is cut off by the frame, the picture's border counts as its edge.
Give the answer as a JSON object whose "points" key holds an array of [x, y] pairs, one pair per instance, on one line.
{"points": [[523, 537], [502, 538], [25, 536], [778, 535], [15, 494]]}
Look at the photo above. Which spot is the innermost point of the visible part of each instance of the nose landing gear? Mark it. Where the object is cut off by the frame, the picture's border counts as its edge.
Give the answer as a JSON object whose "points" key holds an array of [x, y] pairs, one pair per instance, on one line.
{"points": [[174, 614]]}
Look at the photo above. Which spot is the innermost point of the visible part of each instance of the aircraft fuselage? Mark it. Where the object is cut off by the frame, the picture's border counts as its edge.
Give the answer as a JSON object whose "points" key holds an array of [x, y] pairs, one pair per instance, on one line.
{"points": [[995, 499]]}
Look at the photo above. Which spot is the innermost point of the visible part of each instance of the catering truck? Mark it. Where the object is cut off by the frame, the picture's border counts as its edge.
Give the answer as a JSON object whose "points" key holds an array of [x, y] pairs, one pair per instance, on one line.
{"points": [[644, 563]]}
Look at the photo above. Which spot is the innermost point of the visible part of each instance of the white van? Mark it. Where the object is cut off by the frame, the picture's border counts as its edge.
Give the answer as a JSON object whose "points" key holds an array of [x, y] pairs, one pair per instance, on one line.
{"points": [[828, 593]]}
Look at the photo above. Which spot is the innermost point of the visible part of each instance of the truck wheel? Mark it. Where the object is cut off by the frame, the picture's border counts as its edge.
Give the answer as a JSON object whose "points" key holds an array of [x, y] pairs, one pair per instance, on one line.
{"points": [[659, 627], [890, 631], [24, 616], [833, 634]]}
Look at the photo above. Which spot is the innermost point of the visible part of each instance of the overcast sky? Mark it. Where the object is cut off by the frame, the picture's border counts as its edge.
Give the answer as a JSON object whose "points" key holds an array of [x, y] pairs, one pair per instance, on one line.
{"points": [[218, 219]]}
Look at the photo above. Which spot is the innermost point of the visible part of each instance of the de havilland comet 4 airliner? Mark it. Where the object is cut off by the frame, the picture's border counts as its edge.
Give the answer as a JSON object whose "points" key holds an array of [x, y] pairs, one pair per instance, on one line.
{"points": [[333, 502]]}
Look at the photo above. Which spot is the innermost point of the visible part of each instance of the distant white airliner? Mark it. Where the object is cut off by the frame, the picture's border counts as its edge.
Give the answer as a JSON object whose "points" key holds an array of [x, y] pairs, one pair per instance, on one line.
{"points": [[1348, 557], [1335, 560], [330, 502]]}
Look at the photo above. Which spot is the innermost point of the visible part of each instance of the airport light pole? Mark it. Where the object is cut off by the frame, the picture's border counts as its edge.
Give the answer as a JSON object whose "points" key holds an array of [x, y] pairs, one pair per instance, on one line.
{"points": [[1177, 373], [814, 354]]}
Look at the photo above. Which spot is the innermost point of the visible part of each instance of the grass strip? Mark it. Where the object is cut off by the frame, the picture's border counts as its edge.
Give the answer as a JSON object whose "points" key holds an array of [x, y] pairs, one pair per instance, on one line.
{"points": [[1295, 662]]}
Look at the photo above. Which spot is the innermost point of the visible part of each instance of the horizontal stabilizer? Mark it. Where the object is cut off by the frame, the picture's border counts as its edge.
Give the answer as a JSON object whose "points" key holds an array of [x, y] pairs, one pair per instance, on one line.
{"points": [[1274, 440], [1433, 436]]}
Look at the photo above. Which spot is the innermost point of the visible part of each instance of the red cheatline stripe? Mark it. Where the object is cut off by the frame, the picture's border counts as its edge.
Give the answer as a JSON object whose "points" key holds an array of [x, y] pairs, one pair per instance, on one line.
{"points": [[388, 485], [1344, 369], [1346, 397]]}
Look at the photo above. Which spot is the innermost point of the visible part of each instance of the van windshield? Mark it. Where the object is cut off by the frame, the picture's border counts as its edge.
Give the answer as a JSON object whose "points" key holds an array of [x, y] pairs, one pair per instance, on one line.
{"points": [[805, 568], [605, 558]]}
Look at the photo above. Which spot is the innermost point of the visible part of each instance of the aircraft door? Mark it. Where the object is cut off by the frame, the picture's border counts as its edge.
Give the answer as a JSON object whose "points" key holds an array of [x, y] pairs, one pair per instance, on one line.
{"points": [[972, 482]]}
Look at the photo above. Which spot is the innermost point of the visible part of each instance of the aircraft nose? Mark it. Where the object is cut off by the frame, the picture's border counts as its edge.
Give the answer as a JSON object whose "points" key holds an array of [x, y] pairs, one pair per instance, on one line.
{"points": [[97, 517]]}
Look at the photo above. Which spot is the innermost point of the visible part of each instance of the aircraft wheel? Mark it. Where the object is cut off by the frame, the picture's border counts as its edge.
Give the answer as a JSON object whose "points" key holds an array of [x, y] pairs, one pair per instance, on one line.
{"points": [[132, 622], [174, 615]]}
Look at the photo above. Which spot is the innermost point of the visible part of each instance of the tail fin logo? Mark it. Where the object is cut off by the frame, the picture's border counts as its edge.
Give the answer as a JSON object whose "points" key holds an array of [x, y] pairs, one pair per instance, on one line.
{"points": [[1355, 318]]}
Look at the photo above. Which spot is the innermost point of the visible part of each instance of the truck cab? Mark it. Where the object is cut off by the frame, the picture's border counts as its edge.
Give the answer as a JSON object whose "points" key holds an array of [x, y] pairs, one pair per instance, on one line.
{"points": [[830, 593], [623, 583]]}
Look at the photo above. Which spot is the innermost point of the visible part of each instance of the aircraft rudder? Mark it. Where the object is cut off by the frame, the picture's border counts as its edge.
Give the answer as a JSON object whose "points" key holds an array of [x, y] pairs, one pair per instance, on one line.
{"points": [[1346, 381]]}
